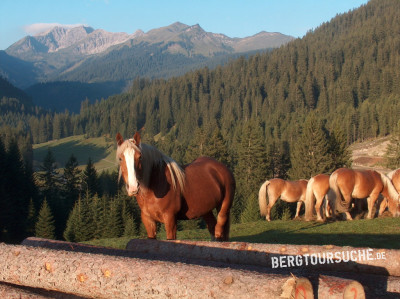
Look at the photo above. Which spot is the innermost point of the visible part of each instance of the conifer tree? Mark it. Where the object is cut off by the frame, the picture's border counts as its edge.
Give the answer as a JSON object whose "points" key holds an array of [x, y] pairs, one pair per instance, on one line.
{"points": [[217, 148], [45, 227], [48, 178], [90, 180], [310, 154], [17, 199], [392, 154], [341, 156], [71, 182], [251, 211], [251, 166], [80, 224], [130, 228], [3, 211]]}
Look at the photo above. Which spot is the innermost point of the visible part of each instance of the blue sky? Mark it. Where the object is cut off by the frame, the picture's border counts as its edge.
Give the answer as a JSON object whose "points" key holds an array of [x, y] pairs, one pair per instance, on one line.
{"points": [[233, 18]]}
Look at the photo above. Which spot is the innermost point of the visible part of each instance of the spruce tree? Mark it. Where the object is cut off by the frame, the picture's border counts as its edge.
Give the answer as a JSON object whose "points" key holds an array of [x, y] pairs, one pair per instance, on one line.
{"points": [[71, 182], [310, 154], [16, 195], [90, 180], [392, 154], [251, 168], [251, 211], [45, 227], [3, 211]]}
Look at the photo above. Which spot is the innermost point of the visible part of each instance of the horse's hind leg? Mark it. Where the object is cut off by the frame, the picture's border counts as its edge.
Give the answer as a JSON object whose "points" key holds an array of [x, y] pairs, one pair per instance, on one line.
{"points": [[211, 222], [318, 208]]}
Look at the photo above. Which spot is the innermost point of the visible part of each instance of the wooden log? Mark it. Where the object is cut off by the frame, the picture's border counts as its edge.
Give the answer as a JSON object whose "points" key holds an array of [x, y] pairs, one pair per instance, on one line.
{"points": [[289, 257], [105, 276], [9, 291], [339, 288]]}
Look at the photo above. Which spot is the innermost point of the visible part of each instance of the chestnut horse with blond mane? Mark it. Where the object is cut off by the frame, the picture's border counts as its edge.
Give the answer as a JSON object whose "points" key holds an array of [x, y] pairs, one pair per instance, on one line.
{"points": [[347, 184], [166, 192], [394, 208], [289, 191], [317, 192]]}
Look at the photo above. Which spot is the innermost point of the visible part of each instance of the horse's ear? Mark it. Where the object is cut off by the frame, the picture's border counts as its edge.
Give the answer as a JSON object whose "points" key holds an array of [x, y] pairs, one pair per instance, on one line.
{"points": [[136, 138], [119, 139]]}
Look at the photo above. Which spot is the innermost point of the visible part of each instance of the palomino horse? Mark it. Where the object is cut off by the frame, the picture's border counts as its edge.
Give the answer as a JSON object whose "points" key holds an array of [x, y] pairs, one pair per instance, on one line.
{"points": [[347, 184], [317, 191], [393, 207], [166, 192], [290, 191]]}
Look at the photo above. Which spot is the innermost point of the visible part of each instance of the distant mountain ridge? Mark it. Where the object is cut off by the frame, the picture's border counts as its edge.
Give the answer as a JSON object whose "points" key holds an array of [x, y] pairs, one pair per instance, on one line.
{"points": [[58, 53]]}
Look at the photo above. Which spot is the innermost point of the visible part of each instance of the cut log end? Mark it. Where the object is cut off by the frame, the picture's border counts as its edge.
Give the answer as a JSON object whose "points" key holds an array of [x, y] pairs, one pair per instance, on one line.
{"points": [[297, 288]]}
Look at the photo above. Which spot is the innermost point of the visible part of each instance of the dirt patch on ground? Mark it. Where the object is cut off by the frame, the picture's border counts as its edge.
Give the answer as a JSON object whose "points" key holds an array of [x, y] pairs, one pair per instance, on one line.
{"points": [[370, 154]]}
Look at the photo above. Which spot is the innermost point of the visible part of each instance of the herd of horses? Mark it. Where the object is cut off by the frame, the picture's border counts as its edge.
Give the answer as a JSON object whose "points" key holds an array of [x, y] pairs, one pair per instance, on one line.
{"points": [[334, 194], [167, 192]]}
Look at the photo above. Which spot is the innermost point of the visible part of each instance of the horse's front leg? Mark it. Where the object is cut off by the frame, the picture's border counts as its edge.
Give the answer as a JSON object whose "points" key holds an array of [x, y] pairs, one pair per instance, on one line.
{"points": [[299, 203], [170, 226], [150, 225]]}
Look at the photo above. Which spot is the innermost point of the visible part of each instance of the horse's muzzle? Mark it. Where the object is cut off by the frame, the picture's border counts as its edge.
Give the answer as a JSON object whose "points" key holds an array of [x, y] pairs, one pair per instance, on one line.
{"points": [[132, 191]]}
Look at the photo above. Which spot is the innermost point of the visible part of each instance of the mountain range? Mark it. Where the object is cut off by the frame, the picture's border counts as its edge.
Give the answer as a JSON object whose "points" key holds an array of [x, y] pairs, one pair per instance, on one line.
{"points": [[65, 54], [62, 67]]}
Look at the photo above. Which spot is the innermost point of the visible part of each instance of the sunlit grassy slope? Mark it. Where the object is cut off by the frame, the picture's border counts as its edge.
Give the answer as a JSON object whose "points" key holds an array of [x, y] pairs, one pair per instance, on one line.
{"points": [[101, 150]]}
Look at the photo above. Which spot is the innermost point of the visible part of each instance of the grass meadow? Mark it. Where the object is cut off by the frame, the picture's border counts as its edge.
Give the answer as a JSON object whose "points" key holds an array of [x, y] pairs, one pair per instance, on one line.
{"points": [[375, 233]]}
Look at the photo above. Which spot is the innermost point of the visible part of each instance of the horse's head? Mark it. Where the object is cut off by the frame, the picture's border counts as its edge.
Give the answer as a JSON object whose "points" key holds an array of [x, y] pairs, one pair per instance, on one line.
{"points": [[129, 156]]}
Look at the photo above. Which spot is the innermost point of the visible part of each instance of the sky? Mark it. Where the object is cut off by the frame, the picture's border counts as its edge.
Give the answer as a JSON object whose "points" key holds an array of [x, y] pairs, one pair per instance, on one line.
{"points": [[234, 18]]}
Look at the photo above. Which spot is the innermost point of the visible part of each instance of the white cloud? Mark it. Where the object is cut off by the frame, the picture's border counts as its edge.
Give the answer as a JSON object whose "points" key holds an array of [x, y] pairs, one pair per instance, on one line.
{"points": [[36, 28]]}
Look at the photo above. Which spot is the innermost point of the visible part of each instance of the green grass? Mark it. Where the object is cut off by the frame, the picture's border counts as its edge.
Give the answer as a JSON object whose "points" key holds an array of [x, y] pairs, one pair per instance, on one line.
{"points": [[375, 233], [101, 150]]}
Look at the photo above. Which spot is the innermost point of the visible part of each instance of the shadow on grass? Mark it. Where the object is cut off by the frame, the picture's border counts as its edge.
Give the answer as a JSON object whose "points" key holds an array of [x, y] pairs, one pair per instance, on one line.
{"points": [[388, 241]]}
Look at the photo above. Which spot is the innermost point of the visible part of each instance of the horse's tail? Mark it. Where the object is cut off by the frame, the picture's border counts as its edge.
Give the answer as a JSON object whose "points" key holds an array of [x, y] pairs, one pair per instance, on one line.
{"points": [[334, 195], [262, 198], [388, 185], [310, 199]]}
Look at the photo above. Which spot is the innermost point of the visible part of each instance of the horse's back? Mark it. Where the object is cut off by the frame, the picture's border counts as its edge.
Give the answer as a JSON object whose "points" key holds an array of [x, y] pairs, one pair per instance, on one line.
{"points": [[396, 180]]}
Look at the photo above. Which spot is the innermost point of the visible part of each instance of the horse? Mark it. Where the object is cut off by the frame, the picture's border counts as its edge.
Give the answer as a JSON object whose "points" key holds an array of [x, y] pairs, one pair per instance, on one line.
{"points": [[394, 208], [316, 193], [346, 184], [167, 192], [289, 191]]}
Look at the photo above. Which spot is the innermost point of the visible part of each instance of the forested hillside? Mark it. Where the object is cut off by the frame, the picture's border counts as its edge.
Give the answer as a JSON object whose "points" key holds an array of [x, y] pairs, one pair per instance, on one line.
{"points": [[270, 115]]}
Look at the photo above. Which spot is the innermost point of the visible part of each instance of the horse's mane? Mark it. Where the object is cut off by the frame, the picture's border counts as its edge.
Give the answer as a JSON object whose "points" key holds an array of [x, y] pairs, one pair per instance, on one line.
{"points": [[152, 158], [390, 174], [386, 179]]}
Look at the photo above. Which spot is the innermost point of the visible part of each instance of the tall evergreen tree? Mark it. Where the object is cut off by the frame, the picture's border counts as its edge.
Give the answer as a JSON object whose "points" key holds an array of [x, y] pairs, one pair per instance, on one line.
{"points": [[71, 182], [17, 199], [90, 180], [310, 154], [392, 154], [45, 227], [251, 168], [3, 211]]}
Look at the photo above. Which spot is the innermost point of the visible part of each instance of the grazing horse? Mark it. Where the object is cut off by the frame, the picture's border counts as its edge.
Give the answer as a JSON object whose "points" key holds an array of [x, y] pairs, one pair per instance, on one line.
{"points": [[347, 184], [166, 192], [289, 191], [393, 207], [317, 191]]}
